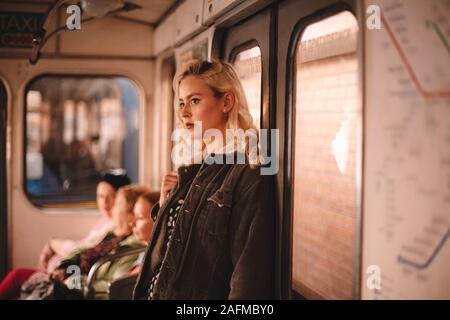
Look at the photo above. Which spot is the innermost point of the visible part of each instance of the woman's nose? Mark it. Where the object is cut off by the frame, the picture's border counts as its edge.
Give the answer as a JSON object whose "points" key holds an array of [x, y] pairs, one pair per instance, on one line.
{"points": [[185, 111]]}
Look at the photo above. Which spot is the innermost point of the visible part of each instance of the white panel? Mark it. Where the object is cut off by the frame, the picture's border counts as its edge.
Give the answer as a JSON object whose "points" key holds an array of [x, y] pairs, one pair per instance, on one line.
{"points": [[165, 34], [188, 18]]}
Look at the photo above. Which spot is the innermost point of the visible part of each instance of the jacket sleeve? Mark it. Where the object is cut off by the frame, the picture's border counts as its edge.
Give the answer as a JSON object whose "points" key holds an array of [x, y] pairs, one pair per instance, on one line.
{"points": [[252, 231], [72, 259]]}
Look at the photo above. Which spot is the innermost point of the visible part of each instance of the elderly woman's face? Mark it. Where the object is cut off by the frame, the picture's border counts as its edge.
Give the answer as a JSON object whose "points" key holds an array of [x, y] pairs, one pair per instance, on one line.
{"points": [[122, 219], [143, 224], [105, 198]]}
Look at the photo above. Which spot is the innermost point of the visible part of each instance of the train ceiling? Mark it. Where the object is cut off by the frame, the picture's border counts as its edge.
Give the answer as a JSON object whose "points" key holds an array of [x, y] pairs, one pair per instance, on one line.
{"points": [[152, 11]]}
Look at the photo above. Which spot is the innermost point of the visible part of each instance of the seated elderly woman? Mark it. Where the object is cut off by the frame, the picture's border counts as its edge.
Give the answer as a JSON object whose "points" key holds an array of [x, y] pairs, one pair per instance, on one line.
{"points": [[75, 268]]}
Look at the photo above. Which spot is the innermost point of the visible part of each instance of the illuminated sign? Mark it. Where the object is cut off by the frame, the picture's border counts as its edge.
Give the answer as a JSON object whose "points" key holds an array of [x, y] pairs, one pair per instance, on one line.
{"points": [[17, 28]]}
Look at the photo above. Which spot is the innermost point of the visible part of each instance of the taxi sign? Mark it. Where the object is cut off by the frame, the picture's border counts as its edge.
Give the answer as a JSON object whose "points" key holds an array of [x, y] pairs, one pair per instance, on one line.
{"points": [[18, 28]]}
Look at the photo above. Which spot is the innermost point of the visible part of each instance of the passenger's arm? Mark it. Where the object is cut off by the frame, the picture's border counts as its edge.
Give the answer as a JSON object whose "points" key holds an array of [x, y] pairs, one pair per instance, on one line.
{"points": [[55, 247], [44, 257], [252, 230], [62, 247]]}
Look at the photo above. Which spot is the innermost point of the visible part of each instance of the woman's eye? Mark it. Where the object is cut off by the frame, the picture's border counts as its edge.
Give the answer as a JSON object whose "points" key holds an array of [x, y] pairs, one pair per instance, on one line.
{"points": [[195, 101]]}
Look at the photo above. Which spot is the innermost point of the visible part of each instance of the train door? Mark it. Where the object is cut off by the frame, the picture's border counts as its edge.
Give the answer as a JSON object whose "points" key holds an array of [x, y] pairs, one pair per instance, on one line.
{"points": [[249, 45], [3, 183], [319, 110]]}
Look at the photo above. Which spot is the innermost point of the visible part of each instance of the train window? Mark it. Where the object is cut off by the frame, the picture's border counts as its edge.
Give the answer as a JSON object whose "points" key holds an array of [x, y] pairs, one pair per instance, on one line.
{"points": [[248, 66], [324, 191], [76, 127]]}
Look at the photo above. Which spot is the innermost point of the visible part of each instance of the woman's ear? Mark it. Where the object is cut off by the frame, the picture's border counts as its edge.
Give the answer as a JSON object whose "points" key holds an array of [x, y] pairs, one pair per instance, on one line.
{"points": [[229, 99]]}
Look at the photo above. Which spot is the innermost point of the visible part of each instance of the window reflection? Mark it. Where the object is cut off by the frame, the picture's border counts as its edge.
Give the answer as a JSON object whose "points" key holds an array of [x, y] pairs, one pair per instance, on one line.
{"points": [[326, 110], [248, 66], [76, 128]]}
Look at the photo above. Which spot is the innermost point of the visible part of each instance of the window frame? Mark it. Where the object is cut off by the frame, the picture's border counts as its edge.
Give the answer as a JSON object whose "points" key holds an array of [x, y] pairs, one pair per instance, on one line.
{"points": [[55, 201], [290, 117], [168, 63], [261, 24], [229, 36], [4, 232], [232, 58]]}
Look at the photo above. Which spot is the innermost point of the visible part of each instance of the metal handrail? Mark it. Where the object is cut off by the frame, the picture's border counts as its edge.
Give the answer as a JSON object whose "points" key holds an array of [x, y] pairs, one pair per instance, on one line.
{"points": [[92, 276]]}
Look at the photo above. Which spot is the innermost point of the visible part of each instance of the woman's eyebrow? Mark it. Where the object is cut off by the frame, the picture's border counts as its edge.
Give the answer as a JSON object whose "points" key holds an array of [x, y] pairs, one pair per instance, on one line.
{"points": [[190, 95]]}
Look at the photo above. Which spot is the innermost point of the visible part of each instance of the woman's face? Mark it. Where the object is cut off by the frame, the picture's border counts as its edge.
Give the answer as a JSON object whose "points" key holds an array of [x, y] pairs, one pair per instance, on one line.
{"points": [[122, 219], [143, 224], [105, 198], [198, 103]]}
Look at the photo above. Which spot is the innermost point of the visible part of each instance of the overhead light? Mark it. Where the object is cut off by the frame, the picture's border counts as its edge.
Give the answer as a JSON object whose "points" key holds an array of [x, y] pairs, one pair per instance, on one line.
{"points": [[99, 8]]}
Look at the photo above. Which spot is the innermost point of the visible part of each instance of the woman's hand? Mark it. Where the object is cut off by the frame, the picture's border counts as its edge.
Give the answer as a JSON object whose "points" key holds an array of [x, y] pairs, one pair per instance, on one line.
{"points": [[168, 183], [46, 254], [58, 275]]}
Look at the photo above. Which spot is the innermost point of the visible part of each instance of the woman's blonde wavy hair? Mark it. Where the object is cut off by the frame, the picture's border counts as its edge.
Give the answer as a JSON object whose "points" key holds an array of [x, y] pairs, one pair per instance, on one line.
{"points": [[221, 77]]}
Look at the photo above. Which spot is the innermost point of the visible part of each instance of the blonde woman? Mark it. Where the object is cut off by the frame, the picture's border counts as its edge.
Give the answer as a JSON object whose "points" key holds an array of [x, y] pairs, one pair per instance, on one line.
{"points": [[214, 231]]}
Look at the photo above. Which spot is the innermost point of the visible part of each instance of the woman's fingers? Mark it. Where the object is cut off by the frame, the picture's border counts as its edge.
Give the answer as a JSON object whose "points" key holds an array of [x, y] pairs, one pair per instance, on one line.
{"points": [[170, 178], [167, 184]]}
